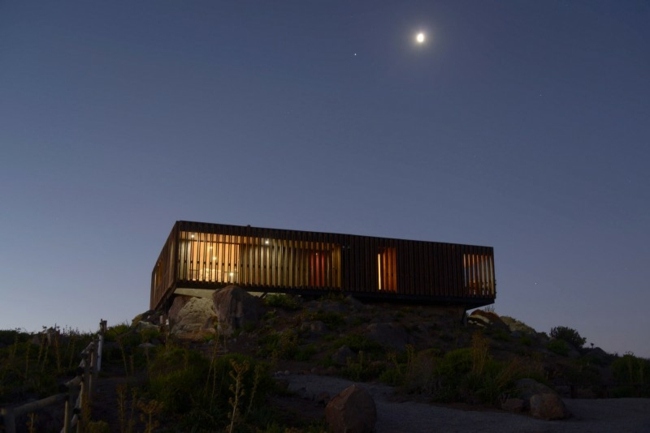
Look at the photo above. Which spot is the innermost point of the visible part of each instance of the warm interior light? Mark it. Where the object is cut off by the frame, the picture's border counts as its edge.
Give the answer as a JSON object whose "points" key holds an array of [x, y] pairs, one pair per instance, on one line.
{"points": [[266, 241], [379, 269]]}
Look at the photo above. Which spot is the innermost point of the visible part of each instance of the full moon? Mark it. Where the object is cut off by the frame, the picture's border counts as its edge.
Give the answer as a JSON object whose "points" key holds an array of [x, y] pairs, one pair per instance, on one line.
{"points": [[420, 38]]}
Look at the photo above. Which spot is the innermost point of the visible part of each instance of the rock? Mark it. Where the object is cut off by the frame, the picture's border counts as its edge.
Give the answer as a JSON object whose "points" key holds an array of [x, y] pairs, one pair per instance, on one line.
{"points": [[516, 326], [189, 317], [354, 303], [351, 411], [316, 327], [149, 316], [388, 335], [548, 406], [598, 356], [236, 308], [341, 356], [486, 319], [145, 326], [322, 398], [542, 401], [513, 405]]}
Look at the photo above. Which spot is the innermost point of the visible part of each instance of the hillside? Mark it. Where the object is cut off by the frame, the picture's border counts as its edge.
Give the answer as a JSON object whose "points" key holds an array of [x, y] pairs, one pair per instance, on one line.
{"points": [[157, 379]]}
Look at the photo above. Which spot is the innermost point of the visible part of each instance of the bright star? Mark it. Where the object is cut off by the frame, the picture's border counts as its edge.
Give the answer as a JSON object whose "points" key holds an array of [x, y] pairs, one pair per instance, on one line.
{"points": [[420, 38]]}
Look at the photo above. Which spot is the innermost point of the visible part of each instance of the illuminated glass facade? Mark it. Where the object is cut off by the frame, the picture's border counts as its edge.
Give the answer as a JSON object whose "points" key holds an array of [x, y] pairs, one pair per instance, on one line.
{"points": [[210, 256]]}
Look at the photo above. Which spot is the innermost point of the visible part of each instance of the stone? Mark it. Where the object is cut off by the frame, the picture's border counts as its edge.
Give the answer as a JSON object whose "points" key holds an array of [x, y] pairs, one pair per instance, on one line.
{"points": [[316, 327], [342, 354], [236, 308], [486, 319], [353, 410], [548, 407], [598, 356], [149, 316], [513, 405], [542, 401], [354, 303], [146, 326], [322, 398], [189, 316], [516, 326], [388, 335]]}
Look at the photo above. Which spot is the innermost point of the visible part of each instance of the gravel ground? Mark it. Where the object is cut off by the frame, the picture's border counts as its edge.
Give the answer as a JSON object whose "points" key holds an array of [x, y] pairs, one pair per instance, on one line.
{"points": [[629, 415]]}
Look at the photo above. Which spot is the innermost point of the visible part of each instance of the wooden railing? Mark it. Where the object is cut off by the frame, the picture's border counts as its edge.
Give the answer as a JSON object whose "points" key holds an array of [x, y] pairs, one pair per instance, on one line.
{"points": [[76, 393]]}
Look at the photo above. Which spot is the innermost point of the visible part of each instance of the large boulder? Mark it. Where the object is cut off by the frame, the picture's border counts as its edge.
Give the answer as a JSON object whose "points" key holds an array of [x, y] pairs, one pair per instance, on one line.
{"points": [[516, 326], [542, 401], [487, 319], [342, 355], [351, 411], [149, 316], [191, 317], [236, 308], [388, 335]]}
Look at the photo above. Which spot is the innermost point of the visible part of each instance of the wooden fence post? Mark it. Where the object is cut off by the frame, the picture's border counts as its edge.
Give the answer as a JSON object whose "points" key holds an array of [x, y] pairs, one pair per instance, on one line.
{"points": [[100, 344], [84, 395], [75, 412], [93, 370]]}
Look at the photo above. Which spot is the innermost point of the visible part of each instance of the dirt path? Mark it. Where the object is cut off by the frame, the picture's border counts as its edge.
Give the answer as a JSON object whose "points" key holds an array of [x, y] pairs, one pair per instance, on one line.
{"points": [[590, 416]]}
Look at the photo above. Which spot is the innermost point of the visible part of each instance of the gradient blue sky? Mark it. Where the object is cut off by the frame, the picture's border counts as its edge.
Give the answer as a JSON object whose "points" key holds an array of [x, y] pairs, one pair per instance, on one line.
{"points": [[523, 125]]}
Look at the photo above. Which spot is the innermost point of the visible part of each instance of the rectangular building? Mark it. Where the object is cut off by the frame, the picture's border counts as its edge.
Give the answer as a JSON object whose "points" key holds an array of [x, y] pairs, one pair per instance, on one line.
{"points": [[202, 257]]}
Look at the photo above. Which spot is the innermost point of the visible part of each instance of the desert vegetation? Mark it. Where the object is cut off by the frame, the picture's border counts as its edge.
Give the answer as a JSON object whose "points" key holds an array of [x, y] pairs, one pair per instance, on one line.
{"points": [[154, 382]]}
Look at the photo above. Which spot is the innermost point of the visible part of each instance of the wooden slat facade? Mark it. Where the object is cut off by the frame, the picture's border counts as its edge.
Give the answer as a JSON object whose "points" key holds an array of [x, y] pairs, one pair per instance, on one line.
{"points": [[211, 256]]}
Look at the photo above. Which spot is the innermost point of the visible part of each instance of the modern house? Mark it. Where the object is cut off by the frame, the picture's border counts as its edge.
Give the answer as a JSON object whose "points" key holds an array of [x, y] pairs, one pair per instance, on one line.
{"points": [[199, 258]]}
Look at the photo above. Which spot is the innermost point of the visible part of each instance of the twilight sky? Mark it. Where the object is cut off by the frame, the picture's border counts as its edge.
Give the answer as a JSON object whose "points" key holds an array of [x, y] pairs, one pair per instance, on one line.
{"points": [[522, 125]]}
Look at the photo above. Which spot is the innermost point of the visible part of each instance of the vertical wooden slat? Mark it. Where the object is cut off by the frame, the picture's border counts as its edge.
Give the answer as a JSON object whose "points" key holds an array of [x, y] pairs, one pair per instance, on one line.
{"points": [[321, 261]]}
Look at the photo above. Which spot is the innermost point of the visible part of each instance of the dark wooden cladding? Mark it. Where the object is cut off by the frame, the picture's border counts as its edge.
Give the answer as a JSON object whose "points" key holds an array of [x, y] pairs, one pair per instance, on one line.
{"points": [[210, 256]]}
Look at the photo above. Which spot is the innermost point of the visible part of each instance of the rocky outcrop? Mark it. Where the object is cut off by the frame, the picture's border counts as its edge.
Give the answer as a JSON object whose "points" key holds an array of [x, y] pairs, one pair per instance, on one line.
{"points": [[150, 316], [388, 335], [541, 401], [516, 326], [235, 308], [191, 317], [486, 319], [342, 355], [351, 411]]}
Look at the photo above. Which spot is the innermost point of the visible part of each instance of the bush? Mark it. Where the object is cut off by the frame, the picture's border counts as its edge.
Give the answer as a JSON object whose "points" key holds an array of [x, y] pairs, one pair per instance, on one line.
{"points": [[358, 343], [175, 376], [199, 390], [633, 376], [331, 319], [468, 374], [279, 345], [569, 335], [559, 347], [286, 302]]}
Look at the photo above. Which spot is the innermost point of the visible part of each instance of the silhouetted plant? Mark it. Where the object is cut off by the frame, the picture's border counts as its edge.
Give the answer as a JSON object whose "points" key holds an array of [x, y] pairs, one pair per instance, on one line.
{"points": [[633, 376], [569, 335], [559, 347], [286, 302]]}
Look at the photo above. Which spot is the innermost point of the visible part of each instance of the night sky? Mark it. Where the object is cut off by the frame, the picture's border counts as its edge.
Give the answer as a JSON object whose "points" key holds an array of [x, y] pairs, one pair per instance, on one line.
{"points": [[522, 125]]}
